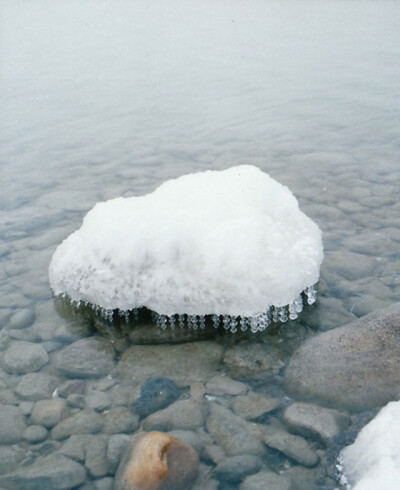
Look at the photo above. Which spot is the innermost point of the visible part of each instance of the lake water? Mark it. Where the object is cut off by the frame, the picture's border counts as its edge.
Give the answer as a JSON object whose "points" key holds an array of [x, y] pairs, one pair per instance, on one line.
{"points": [[100, 99]]}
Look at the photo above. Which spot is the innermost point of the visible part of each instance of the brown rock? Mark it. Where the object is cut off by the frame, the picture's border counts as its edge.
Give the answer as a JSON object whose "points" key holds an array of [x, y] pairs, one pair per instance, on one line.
{"points": [[157, 461]]}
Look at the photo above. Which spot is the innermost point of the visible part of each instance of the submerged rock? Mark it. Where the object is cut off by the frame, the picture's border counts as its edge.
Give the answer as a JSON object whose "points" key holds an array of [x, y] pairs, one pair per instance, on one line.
{"points": [[235, 468], [157, 461], [183, 414], [183, 363], [312, 420], [266, 479], [91, 357], [294, 447], [36, 386], [24, 357], [155, 393], [56, 472], [254, 405], [12, 424], [355, 366], [233, 434]]}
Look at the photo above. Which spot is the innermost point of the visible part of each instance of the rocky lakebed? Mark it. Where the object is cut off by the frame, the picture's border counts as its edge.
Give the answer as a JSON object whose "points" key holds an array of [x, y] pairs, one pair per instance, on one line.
{"points": [[259, 411]]}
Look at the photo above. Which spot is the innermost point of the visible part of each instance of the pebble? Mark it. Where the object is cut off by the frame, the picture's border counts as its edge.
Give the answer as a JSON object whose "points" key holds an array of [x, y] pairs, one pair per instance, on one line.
{"points": [[84, 422], [197, 439], [311, 420], [89, 357], [35, 433], [356, 366], [26, 407], [294, 447], [10, 457], [183, 414], [235, 468], [197, 361], [223, 385], [72, 386], [55, 472], [117, 444], [24, 357], [157, 461], [49, 412], [76, 401], [266, 480], [12, 424], [155, 394], [254, 405], [120, 419], [98, 400], [233, 434], [36, 386], [249, 360], [21, 319]]}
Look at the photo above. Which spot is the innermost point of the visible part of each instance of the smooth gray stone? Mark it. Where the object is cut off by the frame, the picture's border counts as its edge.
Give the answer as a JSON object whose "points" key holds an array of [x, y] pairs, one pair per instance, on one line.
{"points": [[294, 447], [24, 357], [223, 385], [36, 386], [56, 472], [356, 366], [183, 363], [183, 414], [117, 444], [84, 422], [249, 360], [308, 419], [253, 405], [21, 319], [266, 480], [76, 401], [49, 412], [236, 468], [10, 457], [35, 433], [89, 357], [98, 400], [96, 460], [12, 424], [72, 386], [120, 419], [232, 433]]}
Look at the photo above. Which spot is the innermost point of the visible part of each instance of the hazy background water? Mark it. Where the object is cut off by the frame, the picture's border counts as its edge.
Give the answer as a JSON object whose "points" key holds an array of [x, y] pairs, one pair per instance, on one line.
{"points": [[100, 99]]}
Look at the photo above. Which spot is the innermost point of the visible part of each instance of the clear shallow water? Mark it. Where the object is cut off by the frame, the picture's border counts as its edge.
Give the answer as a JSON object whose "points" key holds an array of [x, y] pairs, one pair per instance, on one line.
{"points": [[106, 99]]}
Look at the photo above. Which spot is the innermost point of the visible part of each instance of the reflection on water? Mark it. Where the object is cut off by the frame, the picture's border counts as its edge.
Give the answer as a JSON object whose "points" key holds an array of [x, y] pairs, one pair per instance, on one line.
{"points": [[103, 99]]}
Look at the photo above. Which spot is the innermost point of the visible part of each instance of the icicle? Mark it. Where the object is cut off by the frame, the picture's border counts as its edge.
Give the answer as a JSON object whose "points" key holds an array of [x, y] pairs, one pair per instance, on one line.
{"points": [[233, 324], [225, 321], [311, 293], [135, 314], [215, 320], [283, 316], [292, 311], [243, 323], [275, 314], [172, 321], [254, 324], [181, 321], [195, 324], [162, 321], [202, 322]]}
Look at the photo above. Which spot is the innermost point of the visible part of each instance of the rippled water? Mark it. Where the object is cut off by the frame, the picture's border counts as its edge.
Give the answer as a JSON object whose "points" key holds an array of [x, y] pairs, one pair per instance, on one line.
{"points": [[103, 99]]}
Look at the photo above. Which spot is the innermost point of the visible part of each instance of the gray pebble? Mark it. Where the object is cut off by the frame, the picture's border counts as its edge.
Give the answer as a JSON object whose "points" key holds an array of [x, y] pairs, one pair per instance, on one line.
{"points": [[49, 412], [223, 385], [21, 319], [76, 401], [12, 424], [84, 422], [294, 447], [24, 357], [120, 419], [98, 400], [35, 433], [36, 386], [183, 414], [116, 447]]}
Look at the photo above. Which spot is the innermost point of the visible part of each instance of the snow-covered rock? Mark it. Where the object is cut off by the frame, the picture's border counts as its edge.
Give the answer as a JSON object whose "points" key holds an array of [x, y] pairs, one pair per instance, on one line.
{"points": [[230, 242], [373, 460]]}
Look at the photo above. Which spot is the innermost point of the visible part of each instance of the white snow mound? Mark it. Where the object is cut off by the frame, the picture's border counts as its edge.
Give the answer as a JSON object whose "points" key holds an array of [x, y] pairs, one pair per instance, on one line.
{"points": [[372, 462], [230, 242]]}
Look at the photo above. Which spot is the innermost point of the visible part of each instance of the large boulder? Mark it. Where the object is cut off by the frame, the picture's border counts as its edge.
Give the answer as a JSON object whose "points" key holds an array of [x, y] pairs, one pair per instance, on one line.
{"points": [[157, 461], [355, 366]]}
